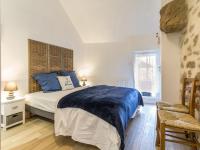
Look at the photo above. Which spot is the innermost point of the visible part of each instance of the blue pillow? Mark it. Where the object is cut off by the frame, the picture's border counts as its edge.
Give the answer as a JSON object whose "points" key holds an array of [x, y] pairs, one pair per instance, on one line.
{"points": [[48, 81], [73, 77]]}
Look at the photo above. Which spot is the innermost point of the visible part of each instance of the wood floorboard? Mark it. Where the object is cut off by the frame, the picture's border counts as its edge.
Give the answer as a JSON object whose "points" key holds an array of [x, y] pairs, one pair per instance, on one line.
{"points": [[38, 134]]}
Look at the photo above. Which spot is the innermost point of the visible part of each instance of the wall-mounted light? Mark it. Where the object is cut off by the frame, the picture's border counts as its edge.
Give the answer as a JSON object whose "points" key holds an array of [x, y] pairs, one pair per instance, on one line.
{"points": [[158, 38]]}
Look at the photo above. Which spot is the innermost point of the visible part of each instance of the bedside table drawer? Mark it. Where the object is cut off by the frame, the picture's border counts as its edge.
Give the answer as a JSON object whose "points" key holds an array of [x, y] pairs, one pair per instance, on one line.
{"points": [[14, 118], [12, 108]]}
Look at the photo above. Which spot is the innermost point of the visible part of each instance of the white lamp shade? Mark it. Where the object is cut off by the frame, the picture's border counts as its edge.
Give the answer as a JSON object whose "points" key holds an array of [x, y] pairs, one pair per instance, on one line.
{"points": [[83, 78], [10, 86]]}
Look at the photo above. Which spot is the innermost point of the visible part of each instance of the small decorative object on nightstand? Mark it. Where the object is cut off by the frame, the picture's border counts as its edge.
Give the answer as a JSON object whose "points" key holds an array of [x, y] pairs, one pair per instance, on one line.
{"points": [[10, 87], [12, 112], [84, 79]]}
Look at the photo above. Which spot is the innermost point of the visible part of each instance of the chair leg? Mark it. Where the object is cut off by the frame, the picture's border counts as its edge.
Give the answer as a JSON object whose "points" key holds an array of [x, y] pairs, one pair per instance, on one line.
{"points": [[194, 140], [158, 132], [158, 138], [162, 136]]}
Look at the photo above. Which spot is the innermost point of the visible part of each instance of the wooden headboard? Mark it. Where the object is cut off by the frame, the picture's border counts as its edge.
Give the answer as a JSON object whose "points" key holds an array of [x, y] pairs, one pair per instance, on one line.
{"points": [[44, 58]]}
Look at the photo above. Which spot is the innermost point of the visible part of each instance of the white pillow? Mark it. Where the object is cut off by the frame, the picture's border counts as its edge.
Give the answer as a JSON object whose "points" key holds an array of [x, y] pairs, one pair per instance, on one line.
{"points": [[65, 82]]}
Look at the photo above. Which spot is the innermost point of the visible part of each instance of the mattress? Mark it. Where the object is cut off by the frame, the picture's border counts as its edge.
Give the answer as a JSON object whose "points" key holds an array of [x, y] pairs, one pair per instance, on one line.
{"points": [[48, 101]]}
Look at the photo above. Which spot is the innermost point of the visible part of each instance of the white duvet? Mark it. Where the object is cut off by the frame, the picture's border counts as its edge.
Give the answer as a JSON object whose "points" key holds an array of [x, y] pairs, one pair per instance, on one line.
{"points": [[81, 125], [48, 101]]}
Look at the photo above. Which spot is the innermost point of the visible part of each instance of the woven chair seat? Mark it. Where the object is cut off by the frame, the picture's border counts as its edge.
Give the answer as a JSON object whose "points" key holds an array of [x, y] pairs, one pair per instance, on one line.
{"points": [[176, 108], [179, 120], [173, 107], [163, 104]]}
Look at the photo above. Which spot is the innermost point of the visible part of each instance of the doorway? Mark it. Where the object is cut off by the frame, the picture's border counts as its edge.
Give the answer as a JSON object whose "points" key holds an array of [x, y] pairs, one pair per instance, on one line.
{"points": [[147, 75]]}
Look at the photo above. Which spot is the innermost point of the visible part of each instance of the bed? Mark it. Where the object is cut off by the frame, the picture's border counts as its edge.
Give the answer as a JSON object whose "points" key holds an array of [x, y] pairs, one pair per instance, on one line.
{"points": [[81, 123]]}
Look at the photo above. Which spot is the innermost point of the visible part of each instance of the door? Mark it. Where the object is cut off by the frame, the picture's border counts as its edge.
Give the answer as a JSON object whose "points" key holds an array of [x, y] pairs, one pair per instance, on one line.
{"points": [[147, 73]]}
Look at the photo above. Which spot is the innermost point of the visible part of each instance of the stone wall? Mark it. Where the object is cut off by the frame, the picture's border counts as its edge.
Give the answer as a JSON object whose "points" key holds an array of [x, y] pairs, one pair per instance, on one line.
{"points": [[190, 48], [190, 44], [173, 16]]}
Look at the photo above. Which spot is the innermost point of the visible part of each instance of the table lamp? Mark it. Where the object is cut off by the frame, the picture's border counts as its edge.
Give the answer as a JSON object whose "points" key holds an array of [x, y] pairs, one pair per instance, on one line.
{"points": [[84, 79], [10, 87]]}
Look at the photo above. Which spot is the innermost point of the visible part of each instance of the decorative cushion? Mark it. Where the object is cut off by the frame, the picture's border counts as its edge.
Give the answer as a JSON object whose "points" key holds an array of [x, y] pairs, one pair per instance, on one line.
{"points": [[179, 120], [73, 77], [47, 81], [65, 82]]}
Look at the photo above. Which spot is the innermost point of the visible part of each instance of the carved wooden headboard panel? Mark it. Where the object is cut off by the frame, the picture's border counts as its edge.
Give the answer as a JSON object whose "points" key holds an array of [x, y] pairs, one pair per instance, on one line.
{"points": [[44, 58]]}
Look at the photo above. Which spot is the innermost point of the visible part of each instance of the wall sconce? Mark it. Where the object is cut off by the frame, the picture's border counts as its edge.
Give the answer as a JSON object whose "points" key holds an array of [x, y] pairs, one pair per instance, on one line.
{"points": [[84, 79], [158, 38], [11, 87]]}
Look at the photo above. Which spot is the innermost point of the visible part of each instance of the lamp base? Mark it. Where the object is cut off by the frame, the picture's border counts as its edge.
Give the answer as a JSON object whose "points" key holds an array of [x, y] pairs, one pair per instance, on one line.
{"points": [[84, 84], [10, 95]]}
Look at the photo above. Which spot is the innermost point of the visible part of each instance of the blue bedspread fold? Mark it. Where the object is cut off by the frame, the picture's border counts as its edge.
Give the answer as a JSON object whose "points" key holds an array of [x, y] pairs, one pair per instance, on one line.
{"points": [[115, 105]]}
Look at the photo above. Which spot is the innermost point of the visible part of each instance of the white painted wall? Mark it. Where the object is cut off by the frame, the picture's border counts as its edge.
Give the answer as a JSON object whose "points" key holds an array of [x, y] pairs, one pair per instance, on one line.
{"points": [[170, 60], [105, 62], [102, 21], [42, 20], [112, 63]]}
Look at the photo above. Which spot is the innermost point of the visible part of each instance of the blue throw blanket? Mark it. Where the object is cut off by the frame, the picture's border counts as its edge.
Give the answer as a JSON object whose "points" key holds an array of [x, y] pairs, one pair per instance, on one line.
{"points": [[115, 105]]}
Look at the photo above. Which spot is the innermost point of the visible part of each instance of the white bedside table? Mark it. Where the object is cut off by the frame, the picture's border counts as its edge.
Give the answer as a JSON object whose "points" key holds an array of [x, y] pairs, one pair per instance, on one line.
{"points": [[12, 112]]}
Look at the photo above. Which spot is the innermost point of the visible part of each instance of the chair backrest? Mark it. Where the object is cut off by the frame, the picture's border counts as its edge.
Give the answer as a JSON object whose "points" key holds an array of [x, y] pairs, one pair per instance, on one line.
{"points": [[196, 97], [193, 96], [186, 88]]}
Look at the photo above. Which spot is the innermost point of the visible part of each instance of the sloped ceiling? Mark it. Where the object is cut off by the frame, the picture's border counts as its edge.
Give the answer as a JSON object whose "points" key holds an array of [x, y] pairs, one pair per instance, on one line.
{"points": [[113, 20]]}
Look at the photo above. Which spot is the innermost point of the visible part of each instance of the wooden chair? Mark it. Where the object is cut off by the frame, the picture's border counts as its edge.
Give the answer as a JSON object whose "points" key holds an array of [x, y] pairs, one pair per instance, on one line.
{"points": [[169, 122], [183, 108]]}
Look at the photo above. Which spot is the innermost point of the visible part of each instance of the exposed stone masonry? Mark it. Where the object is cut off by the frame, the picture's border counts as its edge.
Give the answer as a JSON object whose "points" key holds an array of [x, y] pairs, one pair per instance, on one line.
{"points": [[190, 47], [174, 16], [190, 62]]}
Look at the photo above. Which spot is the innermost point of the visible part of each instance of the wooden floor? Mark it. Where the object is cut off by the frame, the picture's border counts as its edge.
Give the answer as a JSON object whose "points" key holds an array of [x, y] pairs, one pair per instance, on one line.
{"points": [[37, 134]]}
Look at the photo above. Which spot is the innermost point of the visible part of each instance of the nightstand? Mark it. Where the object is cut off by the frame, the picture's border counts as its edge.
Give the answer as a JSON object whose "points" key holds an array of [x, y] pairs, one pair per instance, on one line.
{"points": [[12, 112]]}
